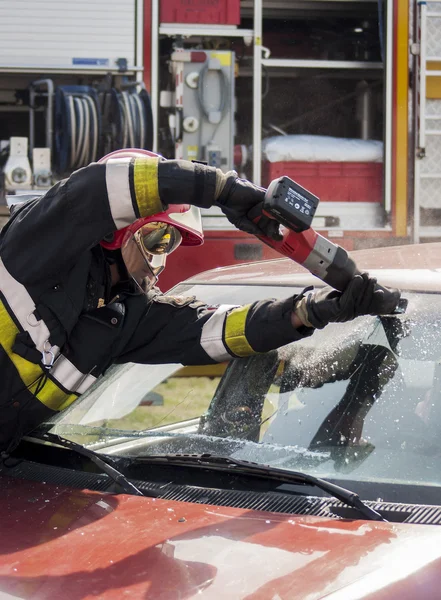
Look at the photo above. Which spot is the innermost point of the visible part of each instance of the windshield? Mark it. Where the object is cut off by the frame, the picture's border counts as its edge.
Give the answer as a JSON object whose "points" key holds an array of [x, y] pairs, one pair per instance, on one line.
{"points": [[358, 401]]}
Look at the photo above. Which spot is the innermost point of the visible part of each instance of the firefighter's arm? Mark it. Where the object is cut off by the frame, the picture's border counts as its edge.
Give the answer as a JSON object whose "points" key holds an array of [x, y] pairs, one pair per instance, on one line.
{"points": [[176, 330], [49, 233], [181, 181]]}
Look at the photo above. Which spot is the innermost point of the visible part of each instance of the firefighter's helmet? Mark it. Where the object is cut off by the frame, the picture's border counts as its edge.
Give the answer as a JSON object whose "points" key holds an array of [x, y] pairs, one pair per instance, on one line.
{"points": [[146, 243]]}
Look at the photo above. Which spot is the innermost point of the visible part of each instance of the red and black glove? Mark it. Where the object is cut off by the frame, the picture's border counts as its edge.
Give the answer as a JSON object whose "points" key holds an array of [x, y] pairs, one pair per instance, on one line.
{"points": [[361, 297], [237, 198]]}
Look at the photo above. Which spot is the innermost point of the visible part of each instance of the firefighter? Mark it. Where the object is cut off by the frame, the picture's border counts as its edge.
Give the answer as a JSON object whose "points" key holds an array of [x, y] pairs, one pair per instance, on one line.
{"points": [[78, 268]]}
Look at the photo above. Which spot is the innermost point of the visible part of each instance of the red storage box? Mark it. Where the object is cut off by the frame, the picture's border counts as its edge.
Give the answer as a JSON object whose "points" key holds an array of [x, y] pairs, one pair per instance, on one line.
{"points": [[216, 12], [332, 181]]}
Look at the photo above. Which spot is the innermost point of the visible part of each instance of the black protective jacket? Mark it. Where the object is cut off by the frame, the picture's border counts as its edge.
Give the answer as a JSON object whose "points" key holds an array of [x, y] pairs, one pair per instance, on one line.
{"points": [[61, 323]]}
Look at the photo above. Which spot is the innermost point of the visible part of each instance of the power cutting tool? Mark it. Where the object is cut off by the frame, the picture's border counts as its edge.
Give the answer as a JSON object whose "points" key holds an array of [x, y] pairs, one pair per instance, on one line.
{"points": [[294, 207]]}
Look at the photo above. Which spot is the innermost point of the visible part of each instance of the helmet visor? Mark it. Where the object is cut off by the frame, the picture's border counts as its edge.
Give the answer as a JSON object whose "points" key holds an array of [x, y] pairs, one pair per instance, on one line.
{"points": [[158, 238], [145, 251]]}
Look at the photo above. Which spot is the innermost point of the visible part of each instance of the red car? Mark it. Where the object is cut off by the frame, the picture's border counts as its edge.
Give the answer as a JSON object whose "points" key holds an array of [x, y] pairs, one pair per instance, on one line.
{"points": [[306, 473]]}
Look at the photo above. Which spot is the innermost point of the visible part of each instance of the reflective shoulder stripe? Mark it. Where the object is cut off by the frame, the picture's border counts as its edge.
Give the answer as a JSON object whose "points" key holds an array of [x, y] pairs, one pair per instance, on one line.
{"points": [[50, 395], [212, 334], [20, 305], [234, 335], [146, 186], [132, 192], [118, 191]]}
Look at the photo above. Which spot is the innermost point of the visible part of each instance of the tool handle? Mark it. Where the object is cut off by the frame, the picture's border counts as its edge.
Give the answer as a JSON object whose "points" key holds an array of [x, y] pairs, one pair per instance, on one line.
{"points": [[257, 212], [321, 257], [342, 269]]}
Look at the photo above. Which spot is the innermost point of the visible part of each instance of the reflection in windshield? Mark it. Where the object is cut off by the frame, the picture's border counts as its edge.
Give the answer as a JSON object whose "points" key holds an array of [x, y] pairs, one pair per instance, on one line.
{"points": [[353, 369], [360, 400]]}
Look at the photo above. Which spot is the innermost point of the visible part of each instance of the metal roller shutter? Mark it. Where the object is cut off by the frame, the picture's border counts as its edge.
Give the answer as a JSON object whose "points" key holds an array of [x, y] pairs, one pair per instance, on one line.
{"points": [[67, 34]]}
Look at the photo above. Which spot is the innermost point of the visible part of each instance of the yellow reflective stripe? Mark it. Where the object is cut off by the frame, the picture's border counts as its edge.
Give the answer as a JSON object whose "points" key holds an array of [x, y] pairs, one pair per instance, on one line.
{"points": [[234, 336], [145, 179], [28, 371], [68, 399], [51, 395], [55, 398]]}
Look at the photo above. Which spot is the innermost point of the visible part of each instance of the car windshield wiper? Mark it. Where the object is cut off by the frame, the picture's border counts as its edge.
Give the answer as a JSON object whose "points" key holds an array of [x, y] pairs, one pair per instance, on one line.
{"points": [[244, 467], [100, 462]]}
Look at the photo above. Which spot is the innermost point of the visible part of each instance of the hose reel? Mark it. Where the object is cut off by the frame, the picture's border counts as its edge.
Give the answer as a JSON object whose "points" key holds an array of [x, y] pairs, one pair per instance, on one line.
{"points": [[89, 124], [78, 127], [128, 120]]}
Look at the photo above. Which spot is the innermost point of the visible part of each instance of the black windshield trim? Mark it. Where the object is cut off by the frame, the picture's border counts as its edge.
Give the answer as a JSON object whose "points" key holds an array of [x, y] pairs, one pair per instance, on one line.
{"points": [[105, 464], [244, 467]]}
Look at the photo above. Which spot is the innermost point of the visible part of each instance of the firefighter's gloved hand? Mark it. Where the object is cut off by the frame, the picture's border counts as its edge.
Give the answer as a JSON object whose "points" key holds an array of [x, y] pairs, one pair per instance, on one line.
{"points": [[361, 297], [236, 198]]}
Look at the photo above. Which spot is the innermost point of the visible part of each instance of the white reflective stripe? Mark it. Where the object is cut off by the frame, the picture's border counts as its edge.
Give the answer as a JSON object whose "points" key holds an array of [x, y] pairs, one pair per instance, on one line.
{"points": [[211, 337], [70, 377], [118, 191], [23, 307]]}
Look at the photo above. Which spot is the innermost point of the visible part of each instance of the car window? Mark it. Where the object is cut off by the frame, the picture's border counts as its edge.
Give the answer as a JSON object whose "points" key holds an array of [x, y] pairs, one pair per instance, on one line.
{"points": [[360, 400], [154, 396]]}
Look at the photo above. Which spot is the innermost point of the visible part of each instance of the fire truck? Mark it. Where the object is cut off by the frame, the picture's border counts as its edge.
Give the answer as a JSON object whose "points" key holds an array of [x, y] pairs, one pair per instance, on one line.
{"points": [[341, 95]]}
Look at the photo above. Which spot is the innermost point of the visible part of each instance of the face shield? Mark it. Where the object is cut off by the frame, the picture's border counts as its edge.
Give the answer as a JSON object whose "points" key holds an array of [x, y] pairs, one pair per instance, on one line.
{"points": [[145, 251]]}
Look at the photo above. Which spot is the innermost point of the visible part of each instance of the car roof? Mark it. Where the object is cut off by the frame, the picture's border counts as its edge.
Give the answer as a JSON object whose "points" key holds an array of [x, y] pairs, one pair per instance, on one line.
{"points": [[413, 267]]}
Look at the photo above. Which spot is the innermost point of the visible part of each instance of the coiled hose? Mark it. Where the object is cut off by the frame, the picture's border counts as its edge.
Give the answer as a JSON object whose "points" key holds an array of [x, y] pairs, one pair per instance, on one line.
{"points": [[88, 125], [78, 128], [128, 120]]}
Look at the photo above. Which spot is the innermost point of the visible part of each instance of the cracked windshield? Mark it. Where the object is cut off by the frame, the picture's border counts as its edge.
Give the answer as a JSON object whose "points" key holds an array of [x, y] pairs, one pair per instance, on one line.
{"points": [[359, 400]]}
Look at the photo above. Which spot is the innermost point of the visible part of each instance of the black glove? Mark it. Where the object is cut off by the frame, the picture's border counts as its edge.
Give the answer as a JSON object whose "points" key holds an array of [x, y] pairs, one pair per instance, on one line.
{"points": [[237, 199], [361, 297]]}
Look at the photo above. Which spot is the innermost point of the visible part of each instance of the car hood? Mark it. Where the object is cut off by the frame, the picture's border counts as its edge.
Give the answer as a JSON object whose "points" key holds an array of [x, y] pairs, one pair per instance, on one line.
{"points": [[61, 543]]}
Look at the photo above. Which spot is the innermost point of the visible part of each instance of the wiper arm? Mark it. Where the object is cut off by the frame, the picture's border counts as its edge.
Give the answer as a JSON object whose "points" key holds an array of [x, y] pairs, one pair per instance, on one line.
{"points": [[245, 467], [100, 462]]}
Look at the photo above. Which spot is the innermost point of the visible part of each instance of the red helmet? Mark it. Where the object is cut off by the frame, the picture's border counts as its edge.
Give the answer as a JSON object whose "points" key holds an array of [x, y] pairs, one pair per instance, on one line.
{"points": [[184, 217], [146, 243]]}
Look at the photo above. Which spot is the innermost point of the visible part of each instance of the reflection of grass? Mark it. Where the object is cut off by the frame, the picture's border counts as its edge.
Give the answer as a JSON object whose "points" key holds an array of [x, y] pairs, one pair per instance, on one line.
{"points": [[270, 407], [184, 398]]}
